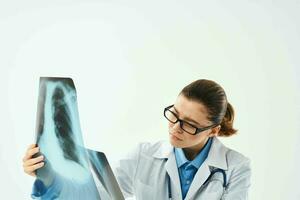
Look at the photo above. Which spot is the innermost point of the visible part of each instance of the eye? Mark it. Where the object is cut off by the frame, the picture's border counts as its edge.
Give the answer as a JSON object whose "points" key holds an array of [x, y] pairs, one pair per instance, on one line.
{"points": [[173, 110], [192, 124]]}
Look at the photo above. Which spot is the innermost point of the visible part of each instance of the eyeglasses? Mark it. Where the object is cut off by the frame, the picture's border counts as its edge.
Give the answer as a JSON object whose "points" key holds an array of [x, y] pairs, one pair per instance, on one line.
{"points": [[187, 127]]}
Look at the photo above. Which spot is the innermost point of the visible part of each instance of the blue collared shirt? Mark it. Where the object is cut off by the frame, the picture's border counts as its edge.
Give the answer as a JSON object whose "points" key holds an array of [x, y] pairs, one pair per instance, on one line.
{"points": [[187, 169]]}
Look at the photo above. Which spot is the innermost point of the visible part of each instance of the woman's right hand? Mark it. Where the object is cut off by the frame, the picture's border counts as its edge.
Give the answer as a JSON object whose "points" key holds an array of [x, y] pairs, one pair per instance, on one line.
{"points": [[31, 164]]}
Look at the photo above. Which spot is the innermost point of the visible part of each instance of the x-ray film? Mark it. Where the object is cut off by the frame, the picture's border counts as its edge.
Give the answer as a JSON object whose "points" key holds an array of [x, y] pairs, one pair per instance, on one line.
{"points": [[70, 171], [104, 177]]}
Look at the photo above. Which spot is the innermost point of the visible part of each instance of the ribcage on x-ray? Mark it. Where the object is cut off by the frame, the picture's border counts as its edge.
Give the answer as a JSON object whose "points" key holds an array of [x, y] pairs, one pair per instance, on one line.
{"points": [[63, 125]]}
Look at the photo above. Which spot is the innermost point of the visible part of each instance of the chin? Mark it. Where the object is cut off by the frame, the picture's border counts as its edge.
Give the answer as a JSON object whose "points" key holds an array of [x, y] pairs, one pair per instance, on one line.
{"points": [[176, 144]]}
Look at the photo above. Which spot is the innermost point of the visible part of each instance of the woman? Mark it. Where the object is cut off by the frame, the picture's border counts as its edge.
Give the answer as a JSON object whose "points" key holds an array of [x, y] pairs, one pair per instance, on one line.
{"points": [[194, 164]]}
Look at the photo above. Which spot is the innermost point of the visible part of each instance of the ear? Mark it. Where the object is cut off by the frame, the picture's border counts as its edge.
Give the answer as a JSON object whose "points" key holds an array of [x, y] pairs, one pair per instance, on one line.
{"points": [[215, 131]]}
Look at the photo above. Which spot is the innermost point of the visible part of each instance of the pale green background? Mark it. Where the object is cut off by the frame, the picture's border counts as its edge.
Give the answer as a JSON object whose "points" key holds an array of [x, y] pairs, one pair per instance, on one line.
{"points": [[129, 59]]}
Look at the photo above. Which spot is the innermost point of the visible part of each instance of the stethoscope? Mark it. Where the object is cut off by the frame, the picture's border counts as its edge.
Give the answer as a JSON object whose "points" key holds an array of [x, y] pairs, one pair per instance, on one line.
{"points": [[211, 174]]}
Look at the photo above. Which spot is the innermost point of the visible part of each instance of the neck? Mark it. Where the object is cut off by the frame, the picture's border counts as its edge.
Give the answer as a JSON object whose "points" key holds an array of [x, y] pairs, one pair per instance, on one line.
{"points": [[191, 152]]}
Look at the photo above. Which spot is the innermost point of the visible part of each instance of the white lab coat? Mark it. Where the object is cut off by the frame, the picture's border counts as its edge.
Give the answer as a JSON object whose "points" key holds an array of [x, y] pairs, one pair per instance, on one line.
{"points": [[143, 174]]}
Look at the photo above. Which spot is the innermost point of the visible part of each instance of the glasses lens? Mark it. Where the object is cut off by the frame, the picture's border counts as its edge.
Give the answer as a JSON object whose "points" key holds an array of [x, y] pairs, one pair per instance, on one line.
{"points": [[188, 128], [170, 116]]}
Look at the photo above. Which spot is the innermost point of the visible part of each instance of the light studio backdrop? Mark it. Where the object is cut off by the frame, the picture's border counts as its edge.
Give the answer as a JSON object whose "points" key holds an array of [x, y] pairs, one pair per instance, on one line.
{"points": [[130, 59]]}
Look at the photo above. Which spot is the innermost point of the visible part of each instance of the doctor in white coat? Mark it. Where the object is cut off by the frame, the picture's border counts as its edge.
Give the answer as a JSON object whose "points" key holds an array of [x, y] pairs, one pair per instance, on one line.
{"points": [[194, 164]]}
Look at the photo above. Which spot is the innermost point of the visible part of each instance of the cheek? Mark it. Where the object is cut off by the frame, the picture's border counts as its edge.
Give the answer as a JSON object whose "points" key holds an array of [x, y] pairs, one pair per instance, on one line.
{"points": [[190, 138], [195, 139], [169, 125]]}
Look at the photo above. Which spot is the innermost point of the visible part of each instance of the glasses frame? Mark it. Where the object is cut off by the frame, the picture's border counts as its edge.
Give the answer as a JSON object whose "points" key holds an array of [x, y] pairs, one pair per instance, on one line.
{"points": [[197, 131]]}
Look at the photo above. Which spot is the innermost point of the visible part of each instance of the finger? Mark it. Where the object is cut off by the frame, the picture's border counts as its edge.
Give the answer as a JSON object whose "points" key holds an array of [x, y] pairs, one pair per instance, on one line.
{"points": [[31, 169], [30, 153], [33, 174], [28, 148], [31, 146], [33, 161]]}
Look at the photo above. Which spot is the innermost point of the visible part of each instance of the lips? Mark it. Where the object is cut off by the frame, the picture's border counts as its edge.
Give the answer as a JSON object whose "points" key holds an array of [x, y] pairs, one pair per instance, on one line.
{"points": [[175, 136]]}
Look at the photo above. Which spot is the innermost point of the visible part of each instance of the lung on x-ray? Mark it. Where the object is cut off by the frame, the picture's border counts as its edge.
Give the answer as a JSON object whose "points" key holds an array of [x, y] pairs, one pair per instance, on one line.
{"points": [[71, 171]]}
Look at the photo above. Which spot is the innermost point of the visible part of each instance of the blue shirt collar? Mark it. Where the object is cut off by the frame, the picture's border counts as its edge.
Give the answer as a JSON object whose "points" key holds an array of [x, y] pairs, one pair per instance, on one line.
{"points": [[198, 160]]}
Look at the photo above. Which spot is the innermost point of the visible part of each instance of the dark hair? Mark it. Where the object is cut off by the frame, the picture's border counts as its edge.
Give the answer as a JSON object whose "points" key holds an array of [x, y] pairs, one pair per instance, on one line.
{"points": [[213, 97]]}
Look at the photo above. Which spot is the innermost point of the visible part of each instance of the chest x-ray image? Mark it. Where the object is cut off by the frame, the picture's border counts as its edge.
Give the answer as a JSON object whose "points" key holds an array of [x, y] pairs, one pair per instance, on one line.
{"points": [[70, 171]]}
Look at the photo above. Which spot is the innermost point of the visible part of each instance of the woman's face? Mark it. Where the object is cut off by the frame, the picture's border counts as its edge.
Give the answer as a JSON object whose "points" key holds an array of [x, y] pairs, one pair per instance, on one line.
{"points": [[196, 114]]}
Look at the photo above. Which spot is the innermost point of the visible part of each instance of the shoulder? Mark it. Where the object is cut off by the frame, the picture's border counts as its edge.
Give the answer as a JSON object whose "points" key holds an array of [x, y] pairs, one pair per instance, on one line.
{"points": [[238, 173], [226, 158], [236, 159], [235, 163], [159, 149], [156, 149], [237, 166]]}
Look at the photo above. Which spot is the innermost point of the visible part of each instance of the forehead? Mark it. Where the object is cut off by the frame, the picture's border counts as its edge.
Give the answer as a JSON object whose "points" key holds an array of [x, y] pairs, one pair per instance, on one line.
{"points": [[190, 109]]}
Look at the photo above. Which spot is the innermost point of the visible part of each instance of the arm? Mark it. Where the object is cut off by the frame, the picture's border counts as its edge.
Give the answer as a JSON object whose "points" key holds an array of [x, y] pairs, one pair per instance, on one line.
{"points": [[239, 182], [126, 170]]}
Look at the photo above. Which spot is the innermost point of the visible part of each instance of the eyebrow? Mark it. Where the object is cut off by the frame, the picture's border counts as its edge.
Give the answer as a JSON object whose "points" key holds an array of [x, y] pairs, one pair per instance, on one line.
{"points": [[189, 118]]}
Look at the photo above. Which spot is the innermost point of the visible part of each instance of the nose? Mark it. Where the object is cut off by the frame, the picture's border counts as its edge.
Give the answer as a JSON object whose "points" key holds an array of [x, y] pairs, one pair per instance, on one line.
{"points": [[176, 127]]}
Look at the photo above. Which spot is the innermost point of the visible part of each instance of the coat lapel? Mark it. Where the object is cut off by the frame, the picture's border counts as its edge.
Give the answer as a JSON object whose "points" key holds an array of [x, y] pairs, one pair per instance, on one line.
{"points": [[200, 177], [171, 168], [166, 151]]}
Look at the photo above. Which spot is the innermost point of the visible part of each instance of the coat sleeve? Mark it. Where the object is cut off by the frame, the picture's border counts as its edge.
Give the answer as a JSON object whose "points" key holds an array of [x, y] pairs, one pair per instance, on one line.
{"points": [[125, 171], [239, 182]]}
